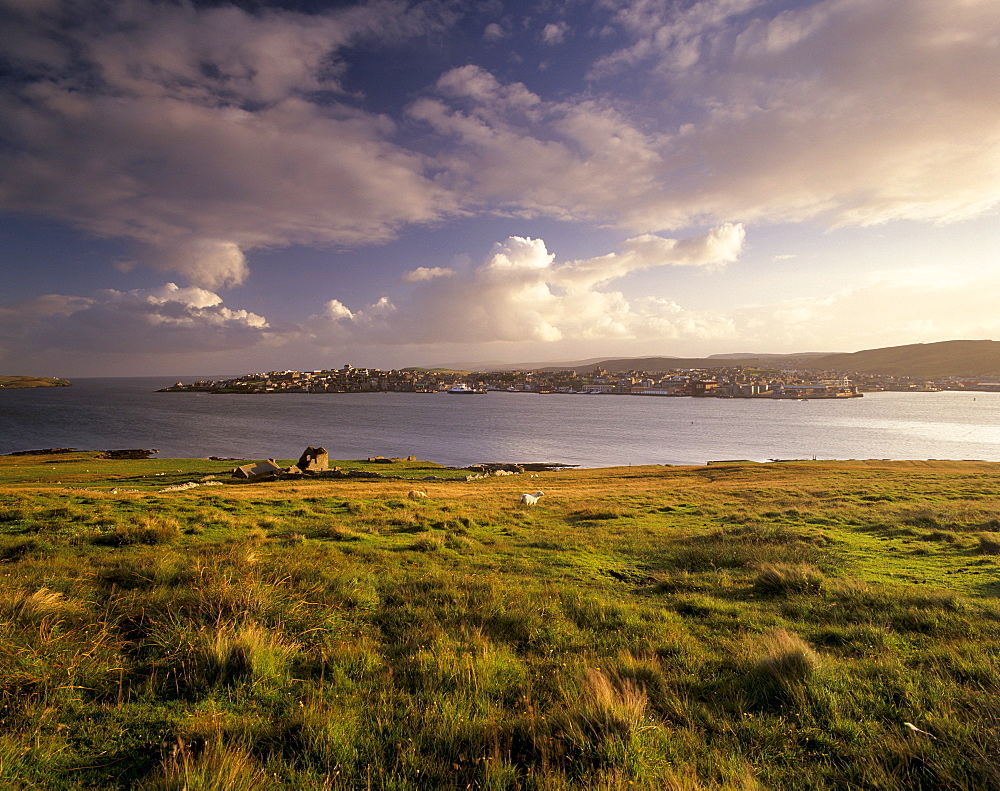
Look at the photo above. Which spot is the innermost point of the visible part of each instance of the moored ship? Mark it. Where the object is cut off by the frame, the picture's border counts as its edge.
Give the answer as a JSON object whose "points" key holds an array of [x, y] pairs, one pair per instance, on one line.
{"points": [[810, 392]]}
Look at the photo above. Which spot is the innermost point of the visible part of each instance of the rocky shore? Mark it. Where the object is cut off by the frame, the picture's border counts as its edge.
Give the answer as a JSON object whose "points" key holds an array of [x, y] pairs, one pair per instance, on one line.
{"points": [[315, 463]]}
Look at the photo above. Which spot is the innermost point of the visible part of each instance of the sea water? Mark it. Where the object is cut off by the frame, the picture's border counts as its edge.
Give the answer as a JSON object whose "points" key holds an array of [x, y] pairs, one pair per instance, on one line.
{"points": [[587, 430]]}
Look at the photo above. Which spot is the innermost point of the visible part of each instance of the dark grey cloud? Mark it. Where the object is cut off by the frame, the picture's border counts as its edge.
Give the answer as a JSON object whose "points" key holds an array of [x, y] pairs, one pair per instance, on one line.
{"points": [[152, 321], [204, 132]]}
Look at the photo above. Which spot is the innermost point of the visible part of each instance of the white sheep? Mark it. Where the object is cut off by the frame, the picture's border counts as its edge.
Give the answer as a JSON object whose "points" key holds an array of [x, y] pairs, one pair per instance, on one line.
{"points": [[531, 499], [416, 494]]}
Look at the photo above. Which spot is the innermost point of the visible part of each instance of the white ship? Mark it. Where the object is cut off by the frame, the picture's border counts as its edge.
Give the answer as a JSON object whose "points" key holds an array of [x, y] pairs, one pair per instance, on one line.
{"points": [[464, 389]]}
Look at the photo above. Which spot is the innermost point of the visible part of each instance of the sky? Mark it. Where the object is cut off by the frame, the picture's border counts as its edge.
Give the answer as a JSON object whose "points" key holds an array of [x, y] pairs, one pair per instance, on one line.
{"points": [[226, 187]]}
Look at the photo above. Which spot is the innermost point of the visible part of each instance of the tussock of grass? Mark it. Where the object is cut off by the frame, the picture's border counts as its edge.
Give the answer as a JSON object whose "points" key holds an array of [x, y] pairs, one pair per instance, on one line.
{"points": [[941, 535], [787, 658], [38, 605], [193, 661], [207, 766], [428, 542], [781, 579], [150, 531], [414, 525], [336, 533], [458, 541], [255, 535], [779, 676], [599, 723]]}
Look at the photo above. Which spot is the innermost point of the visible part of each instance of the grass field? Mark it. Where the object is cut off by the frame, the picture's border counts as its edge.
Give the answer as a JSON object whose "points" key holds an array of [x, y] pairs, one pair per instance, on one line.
{"points": [[735, 626]]}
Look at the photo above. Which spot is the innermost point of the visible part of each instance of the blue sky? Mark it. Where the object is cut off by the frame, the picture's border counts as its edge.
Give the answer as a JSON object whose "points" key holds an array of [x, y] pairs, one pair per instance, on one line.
{"points": [[191, 187]]}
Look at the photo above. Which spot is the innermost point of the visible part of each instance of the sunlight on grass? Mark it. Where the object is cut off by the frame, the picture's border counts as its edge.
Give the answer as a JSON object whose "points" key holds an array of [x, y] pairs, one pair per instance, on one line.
{"points": [[741, 627]]}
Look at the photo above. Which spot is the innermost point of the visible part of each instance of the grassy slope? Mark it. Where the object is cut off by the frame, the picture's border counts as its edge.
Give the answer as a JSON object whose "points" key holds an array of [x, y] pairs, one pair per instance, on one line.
{"points": [[731, 626]]}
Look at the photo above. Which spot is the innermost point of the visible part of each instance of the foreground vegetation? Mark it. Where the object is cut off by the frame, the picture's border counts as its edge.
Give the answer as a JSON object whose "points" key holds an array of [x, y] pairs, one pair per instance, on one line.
{"points": [[734, 626]]}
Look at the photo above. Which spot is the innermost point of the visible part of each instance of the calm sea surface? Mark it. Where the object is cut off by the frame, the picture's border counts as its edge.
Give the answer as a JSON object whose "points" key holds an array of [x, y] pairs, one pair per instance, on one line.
{"points": [[591, 431]]}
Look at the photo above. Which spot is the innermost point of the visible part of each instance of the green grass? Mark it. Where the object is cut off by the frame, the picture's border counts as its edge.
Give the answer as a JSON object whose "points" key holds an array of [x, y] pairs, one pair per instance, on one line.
{"points": [[730, 627]]}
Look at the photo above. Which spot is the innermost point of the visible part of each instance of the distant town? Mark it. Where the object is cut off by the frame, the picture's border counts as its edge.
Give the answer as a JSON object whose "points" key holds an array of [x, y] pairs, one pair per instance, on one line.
{"points": [[733, 382]]}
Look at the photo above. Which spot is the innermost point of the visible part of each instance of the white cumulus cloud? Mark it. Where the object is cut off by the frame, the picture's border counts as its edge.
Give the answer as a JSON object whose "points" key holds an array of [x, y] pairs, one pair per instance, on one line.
{"points": [[494, 32], [422, 273], [555, 32], [521, 294]]}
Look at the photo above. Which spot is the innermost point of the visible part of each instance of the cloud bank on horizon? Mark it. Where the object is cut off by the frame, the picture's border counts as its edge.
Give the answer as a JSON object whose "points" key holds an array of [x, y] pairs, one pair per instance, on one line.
{"points": [[519, 295], [205, 135]]}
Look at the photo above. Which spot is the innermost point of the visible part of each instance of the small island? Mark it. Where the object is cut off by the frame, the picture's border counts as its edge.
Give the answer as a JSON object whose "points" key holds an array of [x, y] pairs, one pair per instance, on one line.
{"points": [[19, 382]]}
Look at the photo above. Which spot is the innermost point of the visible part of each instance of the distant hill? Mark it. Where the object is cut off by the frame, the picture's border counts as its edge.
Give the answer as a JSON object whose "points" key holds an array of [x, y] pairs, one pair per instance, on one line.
{"points": [[16, 382], [552, 365], [757, 356], [973, 359], [621, 365]]}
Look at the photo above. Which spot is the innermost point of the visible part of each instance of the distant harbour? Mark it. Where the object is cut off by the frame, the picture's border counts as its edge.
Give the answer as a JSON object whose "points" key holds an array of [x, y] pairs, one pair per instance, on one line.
{"points": [[101, 414]]}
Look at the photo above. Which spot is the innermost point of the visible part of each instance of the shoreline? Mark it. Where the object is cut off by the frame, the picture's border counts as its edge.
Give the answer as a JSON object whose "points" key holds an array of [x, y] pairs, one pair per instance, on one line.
{"points": [[483, 469]]}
